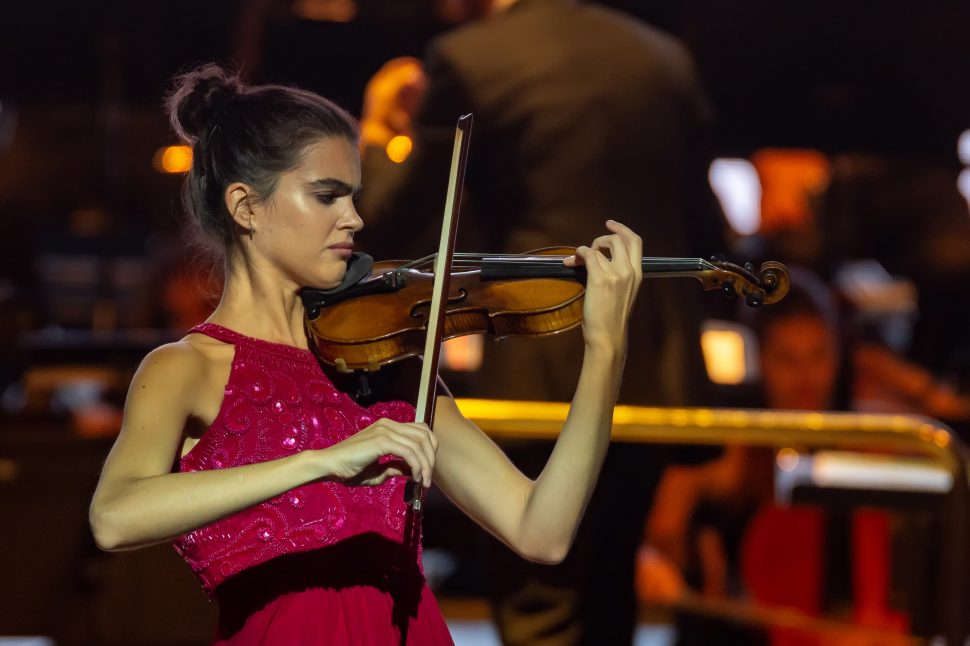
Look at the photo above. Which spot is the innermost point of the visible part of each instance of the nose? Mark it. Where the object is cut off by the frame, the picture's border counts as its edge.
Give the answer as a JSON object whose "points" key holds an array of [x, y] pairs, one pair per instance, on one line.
{"points": [[352, 219]]}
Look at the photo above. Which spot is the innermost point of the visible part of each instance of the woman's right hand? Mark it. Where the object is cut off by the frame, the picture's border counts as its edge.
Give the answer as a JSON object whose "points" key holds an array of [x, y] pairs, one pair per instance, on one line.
{"points": [[383, 450]]}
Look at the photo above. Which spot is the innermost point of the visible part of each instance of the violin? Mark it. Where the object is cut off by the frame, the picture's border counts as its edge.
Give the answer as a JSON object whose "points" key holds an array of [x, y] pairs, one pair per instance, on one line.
{"points": [[379, 314]]}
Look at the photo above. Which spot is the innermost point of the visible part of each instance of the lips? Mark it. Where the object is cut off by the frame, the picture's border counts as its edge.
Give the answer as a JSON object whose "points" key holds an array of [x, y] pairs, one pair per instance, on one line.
{"points": [[342, 250]]}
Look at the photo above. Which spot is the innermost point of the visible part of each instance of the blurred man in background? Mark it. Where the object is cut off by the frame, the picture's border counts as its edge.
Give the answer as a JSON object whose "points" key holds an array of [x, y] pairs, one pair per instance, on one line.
{"points": [[581, 114]]}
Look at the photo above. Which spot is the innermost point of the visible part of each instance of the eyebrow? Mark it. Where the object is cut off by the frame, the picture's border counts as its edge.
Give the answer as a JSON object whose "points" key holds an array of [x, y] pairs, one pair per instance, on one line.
{"points": [[334, 184]]}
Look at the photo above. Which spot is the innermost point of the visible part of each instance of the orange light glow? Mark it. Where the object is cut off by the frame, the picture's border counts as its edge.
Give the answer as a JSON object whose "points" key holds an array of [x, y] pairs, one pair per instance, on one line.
{"points": [[790, 178], [463, 353], [173, 159], [724, 356], [325, 10], [787, 459], [398, 148]]}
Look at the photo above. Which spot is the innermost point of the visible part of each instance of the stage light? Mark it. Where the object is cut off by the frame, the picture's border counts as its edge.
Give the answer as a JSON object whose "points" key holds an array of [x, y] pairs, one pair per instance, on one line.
{"points": [[398, 148], [787, 459], [736, 184], [789, 178], [963, 151], [463, 353], [173, 159], [729, 351]]}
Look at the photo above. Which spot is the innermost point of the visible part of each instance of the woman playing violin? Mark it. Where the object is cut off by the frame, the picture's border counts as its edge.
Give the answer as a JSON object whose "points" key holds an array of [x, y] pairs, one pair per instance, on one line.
{"points": [[285, 496]]}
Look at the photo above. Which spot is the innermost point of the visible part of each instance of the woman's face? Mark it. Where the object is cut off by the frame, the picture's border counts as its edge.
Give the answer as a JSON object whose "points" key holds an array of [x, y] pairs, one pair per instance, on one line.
{"points": [[799, 361], [305, 230]]}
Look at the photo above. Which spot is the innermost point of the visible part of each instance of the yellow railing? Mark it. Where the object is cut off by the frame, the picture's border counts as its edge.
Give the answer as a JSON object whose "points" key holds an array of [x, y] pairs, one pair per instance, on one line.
{"points": [[909, 434]]}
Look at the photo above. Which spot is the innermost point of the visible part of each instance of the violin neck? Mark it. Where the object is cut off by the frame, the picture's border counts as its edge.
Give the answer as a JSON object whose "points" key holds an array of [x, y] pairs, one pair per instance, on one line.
{"points": [[512, 267]]}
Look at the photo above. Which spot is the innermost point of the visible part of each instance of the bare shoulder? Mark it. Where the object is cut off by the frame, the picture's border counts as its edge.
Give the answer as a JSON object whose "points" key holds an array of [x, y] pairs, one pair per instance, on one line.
{"points": [[174, 395], [182, 359], [185, 364]]}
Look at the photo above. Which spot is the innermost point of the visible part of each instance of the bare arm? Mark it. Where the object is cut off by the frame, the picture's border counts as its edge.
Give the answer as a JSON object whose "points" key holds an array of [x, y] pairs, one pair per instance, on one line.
{"points": [[538, 519], [139, 501]]}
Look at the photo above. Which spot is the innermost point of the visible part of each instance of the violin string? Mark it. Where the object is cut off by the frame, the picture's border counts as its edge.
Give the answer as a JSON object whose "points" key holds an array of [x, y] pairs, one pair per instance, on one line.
{"points": [[668, 264], [474, 261]]}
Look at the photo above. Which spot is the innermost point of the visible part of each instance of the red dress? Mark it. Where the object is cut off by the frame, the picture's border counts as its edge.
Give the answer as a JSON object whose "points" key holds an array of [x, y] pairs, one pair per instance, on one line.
{"points": [[323, 563]]}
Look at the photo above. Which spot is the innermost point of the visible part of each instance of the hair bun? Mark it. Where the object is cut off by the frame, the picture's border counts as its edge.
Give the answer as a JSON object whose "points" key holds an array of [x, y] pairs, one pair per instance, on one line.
{"points": [[198, 97]]}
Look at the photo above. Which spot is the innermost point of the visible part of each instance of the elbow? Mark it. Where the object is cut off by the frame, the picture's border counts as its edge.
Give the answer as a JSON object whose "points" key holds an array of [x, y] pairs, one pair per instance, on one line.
{"points": [[107, 535], [546, 552], [549, 557]]}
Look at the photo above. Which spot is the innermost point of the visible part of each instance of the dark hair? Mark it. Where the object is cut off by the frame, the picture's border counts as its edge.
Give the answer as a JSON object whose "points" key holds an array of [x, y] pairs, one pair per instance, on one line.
{"points": [[241, 133]]}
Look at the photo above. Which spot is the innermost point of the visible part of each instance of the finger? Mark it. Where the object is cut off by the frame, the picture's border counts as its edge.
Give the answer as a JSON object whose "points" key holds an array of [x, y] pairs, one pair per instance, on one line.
{"points": [[387, 473], [575, 260], [428, 433], [396, 468], [382, 477], [418, 442], [424, 439], [572, 261], [616, 246], [377, 473], [601, 244], [633, 243], [590, 258], [402, 448], [622, 266], [595, 262], [626, 248], [621, 229]]}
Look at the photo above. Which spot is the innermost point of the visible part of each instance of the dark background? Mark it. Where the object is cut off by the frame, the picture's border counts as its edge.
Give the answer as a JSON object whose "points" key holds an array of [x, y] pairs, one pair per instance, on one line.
{"points": [[81, 87], [82, 82], [827, 74]]}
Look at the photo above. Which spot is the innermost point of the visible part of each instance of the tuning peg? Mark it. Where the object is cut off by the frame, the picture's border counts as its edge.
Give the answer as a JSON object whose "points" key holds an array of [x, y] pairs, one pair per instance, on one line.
{"points": [[755, 299], [729, 291], [749, 266]]}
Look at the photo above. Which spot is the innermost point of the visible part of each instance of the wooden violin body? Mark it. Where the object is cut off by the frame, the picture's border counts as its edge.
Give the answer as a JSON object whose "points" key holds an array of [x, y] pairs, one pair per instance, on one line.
{"points": [[383, 318]]}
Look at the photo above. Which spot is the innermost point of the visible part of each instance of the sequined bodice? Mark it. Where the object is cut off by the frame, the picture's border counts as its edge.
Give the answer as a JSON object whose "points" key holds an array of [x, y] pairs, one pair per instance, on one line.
{"points": [[278, 402]]}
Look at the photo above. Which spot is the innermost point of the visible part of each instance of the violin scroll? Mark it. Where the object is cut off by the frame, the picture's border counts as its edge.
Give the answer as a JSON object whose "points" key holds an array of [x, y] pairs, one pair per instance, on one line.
{"points": [[769, 286]]}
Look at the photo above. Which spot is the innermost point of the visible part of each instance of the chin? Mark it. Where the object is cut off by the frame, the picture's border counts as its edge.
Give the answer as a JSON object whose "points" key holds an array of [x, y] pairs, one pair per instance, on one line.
{"points": [[324, 274], [321, 284], [328, 281]]}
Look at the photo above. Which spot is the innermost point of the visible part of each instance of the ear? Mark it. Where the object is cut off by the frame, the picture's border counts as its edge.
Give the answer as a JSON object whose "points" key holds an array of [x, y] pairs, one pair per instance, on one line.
{"points": [[239, 200]]}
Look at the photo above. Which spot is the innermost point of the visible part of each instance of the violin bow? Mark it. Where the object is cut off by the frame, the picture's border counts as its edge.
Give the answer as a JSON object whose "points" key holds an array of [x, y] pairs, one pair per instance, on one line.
{"points": [[428, 384]]}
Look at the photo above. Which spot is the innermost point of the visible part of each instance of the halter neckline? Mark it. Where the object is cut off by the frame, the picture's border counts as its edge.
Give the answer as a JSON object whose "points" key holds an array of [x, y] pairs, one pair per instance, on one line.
{"points": [[226, 335]]}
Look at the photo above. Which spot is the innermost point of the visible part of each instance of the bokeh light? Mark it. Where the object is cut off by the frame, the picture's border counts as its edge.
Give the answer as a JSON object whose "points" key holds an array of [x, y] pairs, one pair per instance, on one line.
{"points": [[173, 159]]}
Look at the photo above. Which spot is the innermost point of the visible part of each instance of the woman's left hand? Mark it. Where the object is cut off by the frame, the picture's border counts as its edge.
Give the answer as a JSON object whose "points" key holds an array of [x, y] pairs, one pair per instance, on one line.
{"points": [[613, 275]]}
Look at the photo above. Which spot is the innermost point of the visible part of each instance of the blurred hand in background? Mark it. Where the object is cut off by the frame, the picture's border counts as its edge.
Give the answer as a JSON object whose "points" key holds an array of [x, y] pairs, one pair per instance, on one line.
{"points": [[391, 99]]}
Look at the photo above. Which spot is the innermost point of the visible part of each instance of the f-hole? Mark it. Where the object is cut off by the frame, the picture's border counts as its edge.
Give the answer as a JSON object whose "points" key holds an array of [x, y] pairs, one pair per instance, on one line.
{"points": [[420, 310]]}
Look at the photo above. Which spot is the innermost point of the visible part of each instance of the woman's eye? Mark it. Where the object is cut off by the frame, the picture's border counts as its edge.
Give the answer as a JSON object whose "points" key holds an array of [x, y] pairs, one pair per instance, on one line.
{"points": [[328, 200]]}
